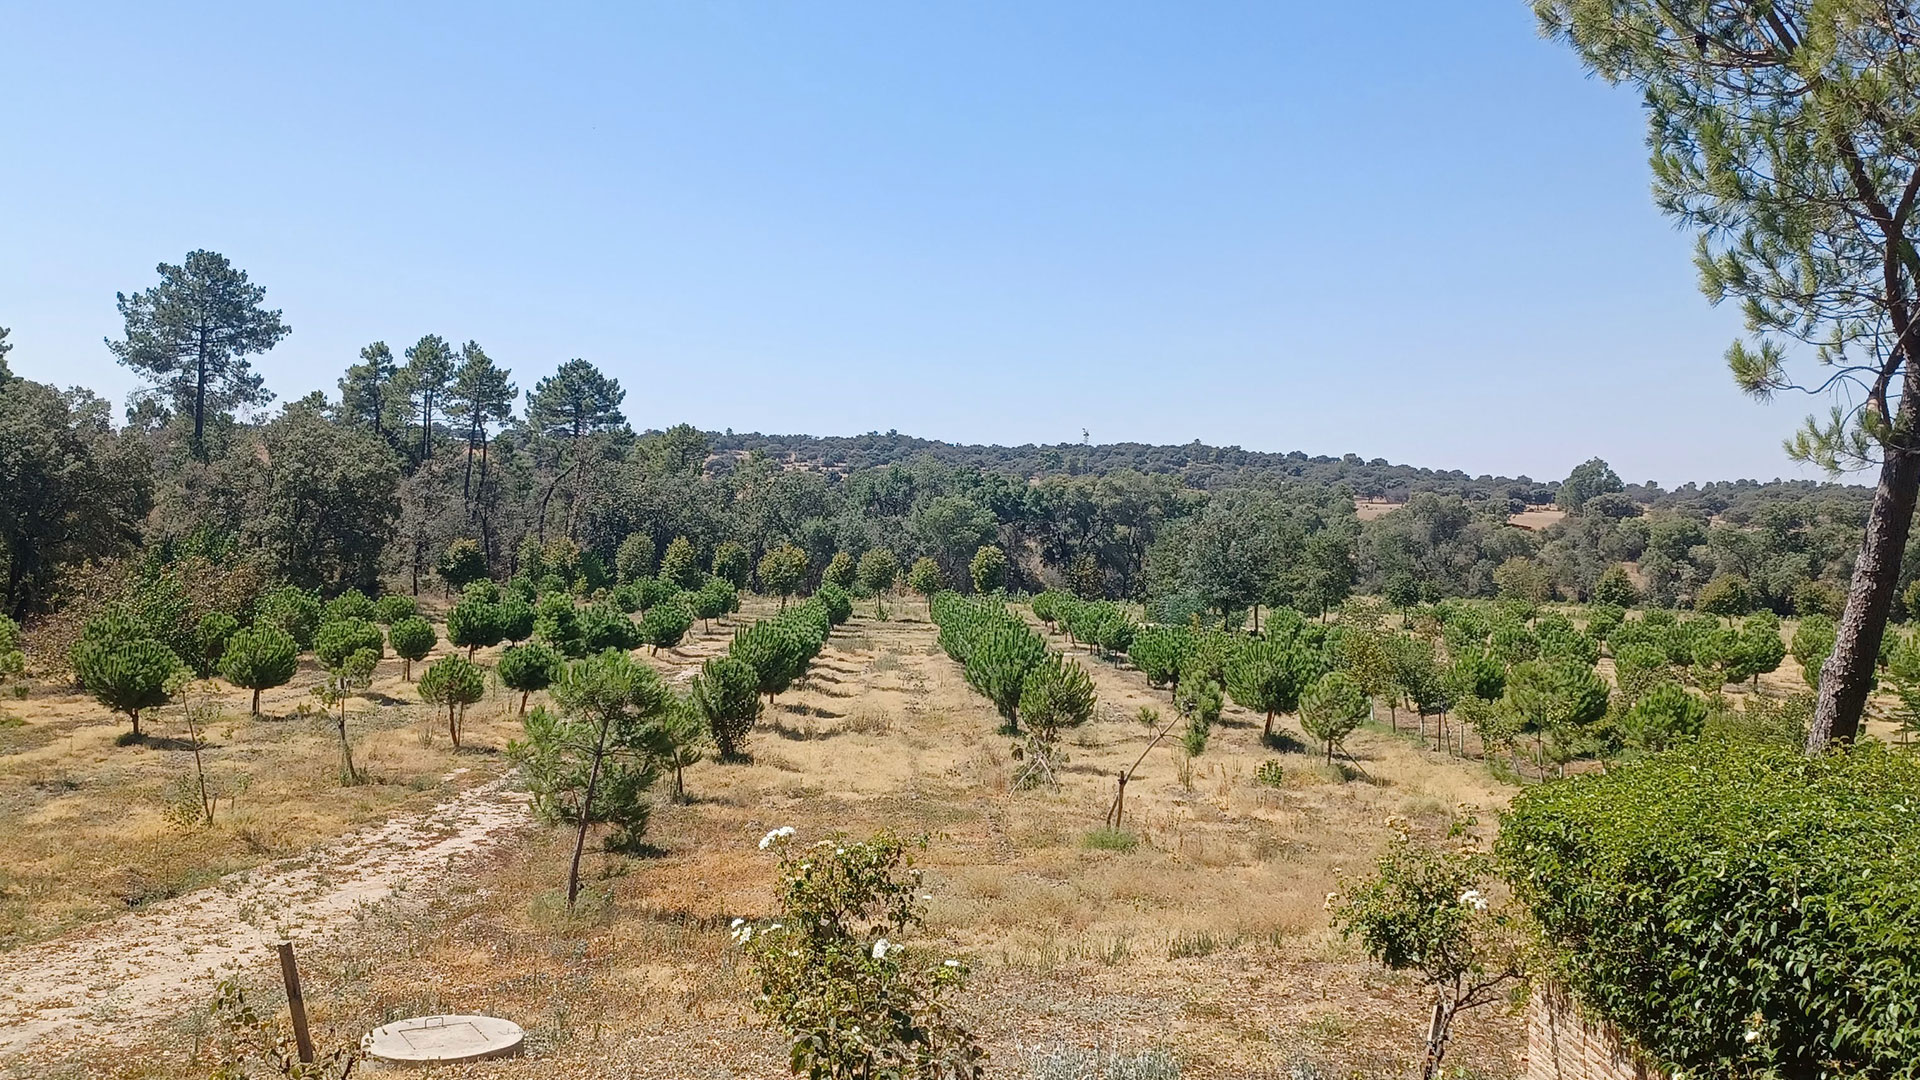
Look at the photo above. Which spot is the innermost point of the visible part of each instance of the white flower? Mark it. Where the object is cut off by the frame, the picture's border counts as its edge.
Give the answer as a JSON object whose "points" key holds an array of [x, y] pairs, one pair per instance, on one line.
{"points": [[950, 963], [741, 935], [881, 948], [1752, 1036], [1331, 897], [1472, 898], [784, 832], [772, 928], [738, 923], [926, 896]]}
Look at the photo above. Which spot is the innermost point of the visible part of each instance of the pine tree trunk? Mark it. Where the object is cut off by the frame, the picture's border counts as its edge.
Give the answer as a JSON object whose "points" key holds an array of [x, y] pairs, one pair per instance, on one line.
{"points": [[586, 815], [1847, 676], [256, 701]]}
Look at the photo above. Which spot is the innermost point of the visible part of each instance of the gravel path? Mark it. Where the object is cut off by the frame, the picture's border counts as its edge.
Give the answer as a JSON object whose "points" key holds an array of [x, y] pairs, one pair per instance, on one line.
{"points": [[111, 982]]}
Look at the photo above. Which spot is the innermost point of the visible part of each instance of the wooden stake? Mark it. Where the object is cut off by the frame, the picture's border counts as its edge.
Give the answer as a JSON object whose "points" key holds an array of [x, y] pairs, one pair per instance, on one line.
{"points": [[290, 974]]}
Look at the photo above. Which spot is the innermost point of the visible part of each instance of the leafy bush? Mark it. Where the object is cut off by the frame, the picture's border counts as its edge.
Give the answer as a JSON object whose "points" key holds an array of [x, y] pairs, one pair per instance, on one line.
{"points": [[988, 569], [715, 597], [782, 570], [732, 564], [259, 658], [680, 565], [1270, 773], [633, 559], [924, 577], [1736, 908], [462, 562], [840, 572], [1428, 911], [854, 1001]]}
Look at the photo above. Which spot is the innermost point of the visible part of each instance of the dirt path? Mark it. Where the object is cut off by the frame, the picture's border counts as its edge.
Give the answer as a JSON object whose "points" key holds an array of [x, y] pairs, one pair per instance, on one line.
{"points": [[111, 982]]}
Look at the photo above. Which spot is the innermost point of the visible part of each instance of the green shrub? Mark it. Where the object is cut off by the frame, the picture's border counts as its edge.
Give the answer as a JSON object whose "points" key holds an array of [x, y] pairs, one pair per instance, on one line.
{"points": [[830, 965], [394, 607], [1331, 708], [732, 564], [715, 597], [726, 694], [455, 682], [680, 565], [293, 610], [1736, 909], [782, 570], [352, 604], [838, 603], [665, 625], [840, 572], [128, 676], [1270, 773], [461, 563], [210, 640], [988, 569], [413, 638], [259, 658], [529, 668], [633, 559], [338, 640], [1108, 838]]}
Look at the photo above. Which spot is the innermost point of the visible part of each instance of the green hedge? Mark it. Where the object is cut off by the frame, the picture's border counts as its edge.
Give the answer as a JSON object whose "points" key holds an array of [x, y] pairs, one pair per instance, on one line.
{"points": [[1736, 910]]}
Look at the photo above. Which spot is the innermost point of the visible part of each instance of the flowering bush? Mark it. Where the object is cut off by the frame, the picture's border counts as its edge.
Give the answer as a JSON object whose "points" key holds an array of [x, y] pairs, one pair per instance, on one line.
{"points": [[857, 1004], [1429, 911]]}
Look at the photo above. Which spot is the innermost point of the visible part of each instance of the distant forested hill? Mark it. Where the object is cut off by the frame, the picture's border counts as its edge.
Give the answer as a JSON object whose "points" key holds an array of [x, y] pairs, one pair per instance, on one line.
{"points": [[1199, 465]]}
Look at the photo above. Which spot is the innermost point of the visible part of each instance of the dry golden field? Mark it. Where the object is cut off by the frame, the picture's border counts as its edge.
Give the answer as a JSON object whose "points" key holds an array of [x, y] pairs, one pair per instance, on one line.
{"points": [[1208, 939]]}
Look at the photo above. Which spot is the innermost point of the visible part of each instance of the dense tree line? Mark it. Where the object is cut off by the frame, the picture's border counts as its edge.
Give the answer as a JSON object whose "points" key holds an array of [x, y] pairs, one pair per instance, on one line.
{"points": [[430, 469]]}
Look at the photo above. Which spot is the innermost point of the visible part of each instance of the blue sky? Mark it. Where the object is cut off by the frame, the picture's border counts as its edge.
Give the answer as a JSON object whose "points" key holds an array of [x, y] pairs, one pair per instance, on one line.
{"points": [[1404, 230]]}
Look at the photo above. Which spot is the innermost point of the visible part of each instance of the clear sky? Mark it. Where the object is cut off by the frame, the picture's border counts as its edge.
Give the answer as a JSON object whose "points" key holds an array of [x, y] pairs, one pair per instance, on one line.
{"points": [[1408, 230]]}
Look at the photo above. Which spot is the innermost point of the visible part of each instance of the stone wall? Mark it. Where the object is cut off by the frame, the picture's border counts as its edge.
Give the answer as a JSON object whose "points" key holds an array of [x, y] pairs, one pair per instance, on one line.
{"points": [[1563, 1046]]}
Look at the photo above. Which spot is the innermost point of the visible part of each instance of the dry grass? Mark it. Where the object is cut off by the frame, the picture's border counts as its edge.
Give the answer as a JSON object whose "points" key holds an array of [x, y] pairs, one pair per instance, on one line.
{"points": [[1208, 938], [86, 833]]}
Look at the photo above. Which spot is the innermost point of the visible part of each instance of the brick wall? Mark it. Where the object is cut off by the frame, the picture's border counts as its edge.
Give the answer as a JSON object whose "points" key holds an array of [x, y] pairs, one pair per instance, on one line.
{"points": [[1562, 1046]]}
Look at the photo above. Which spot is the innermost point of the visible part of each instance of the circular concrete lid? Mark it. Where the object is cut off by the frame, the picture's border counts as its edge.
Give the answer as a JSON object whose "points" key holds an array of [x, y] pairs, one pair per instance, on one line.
{"points": [[426, 1040]]}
